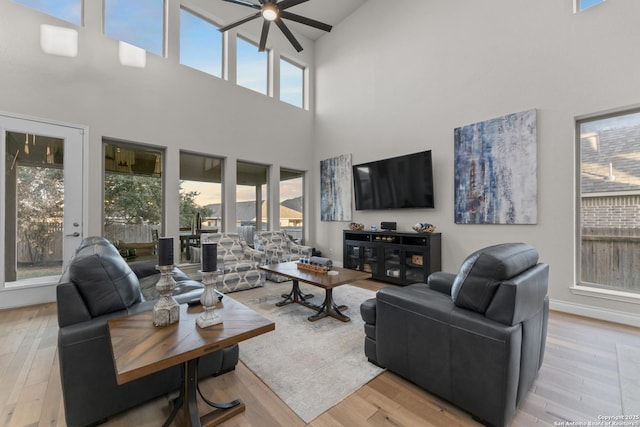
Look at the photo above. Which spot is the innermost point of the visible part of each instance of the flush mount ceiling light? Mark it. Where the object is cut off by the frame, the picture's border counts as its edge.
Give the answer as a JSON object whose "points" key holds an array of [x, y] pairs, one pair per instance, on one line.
{"points": [[275, 11]]}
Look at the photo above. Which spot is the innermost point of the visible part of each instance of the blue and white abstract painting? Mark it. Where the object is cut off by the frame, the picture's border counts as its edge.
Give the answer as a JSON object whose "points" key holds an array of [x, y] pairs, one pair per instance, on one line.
{"points": [[495, 164], [336, 181]]}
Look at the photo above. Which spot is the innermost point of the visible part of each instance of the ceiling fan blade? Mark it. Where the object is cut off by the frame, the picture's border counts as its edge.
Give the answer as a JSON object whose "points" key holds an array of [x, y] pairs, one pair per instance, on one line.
{"points": [[306, 21], [263, 36], [285, 30], [240, 22], [285, 4], [245, 3]]}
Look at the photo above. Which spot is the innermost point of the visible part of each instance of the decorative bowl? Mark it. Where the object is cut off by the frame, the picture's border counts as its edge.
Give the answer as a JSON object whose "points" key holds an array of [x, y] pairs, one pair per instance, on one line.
{"points": [[356, 226], [423, 227]]}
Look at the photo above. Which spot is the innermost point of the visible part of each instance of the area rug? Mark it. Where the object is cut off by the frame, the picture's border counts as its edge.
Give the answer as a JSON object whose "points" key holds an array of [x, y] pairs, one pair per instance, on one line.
{"points": [[311, 366], [629, 370]]}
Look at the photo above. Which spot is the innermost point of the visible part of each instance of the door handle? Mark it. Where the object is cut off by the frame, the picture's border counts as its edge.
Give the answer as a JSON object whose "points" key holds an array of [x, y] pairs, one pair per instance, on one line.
{"points": [[76, 234]]}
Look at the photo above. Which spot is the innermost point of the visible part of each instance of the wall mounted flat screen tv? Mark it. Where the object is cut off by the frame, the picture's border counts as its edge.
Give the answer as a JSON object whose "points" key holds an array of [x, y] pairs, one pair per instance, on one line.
{"points": [[395, 183]]}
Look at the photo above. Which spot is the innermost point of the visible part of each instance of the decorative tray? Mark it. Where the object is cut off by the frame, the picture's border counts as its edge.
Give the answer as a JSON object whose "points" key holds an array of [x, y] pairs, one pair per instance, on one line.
{"points": [[313, 268]]}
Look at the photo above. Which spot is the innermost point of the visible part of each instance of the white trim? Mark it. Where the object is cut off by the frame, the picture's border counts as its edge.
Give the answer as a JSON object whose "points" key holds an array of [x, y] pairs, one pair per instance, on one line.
{"points": [[596, 313], [610, 294]]}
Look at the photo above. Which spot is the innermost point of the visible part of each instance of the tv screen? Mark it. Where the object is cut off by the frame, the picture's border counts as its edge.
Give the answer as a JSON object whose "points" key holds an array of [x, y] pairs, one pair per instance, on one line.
{"points": [[395, 183]]}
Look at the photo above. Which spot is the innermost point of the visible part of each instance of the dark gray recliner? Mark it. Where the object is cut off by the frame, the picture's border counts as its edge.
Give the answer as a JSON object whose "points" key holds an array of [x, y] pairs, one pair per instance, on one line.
{"points": [[99, 285], [476, 339]]}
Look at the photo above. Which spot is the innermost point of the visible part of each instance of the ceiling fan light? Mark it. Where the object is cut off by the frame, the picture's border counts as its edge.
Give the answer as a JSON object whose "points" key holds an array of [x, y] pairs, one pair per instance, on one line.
{"points": [[269, 12]]}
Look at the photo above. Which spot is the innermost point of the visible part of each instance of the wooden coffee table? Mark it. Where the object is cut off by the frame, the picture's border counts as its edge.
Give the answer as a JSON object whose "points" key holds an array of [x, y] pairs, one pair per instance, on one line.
{"points": [[140, 348], [326, 281]]}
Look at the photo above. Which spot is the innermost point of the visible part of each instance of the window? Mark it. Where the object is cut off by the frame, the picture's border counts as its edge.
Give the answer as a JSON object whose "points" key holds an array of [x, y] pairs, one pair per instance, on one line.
{"points": [[610, 201], [133, 202], [581, 5], [251, 199], [200, 44], [291, 83], [137, 22], [67, 10], [292, 203], [252, 67], [200, 201]]}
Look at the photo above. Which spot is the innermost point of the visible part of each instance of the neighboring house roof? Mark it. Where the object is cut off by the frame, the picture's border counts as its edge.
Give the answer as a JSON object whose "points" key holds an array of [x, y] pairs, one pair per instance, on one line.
{"points": [[246, 211], [611, 152]]}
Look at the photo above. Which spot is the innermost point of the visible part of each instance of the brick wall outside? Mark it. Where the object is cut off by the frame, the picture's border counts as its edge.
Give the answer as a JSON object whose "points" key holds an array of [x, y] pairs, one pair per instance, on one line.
{"points": [[611, 212]]}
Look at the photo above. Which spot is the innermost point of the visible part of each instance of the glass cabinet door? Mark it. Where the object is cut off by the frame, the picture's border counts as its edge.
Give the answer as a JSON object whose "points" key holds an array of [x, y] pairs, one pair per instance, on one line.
{"points": [[392, 263], [370, 260], [414, 266], [353, 257]]}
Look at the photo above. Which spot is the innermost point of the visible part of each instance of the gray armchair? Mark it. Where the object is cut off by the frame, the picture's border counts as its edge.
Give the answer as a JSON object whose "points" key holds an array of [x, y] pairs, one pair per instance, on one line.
{"points": [[279, 247], [238, 262], [476, 339]]}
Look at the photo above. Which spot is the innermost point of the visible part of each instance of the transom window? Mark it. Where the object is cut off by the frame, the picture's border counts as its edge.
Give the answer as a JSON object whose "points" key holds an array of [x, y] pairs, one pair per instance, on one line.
{"points": [[67, 10], [252, 67], [291, 83], [609, 239], [137, 22], [581, 5], [200, 44]]}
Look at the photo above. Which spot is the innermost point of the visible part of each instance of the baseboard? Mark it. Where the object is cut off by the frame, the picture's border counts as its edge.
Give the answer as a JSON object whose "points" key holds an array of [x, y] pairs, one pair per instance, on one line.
{"points": [[596, 313], [25, 296]]}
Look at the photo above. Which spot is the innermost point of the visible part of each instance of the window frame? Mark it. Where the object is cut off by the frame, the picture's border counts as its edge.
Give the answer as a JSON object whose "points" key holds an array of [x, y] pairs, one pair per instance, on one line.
{"points": [[163, 42], [577, 5], [267, 53], [48, 12], [222, 41], [304, 72], [582, 287]]}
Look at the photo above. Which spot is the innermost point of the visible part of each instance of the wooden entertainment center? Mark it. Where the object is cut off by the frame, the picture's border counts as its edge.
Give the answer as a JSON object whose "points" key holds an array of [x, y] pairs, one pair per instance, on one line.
{"points": [[400, 258]]}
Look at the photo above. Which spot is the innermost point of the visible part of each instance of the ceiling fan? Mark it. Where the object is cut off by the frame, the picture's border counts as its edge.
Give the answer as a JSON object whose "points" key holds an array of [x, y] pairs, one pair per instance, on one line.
{"points": [[275, 11]]}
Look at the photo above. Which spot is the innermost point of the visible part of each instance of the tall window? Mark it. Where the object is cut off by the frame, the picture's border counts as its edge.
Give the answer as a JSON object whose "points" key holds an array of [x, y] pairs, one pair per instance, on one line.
{"points": [[610, 201], [252, 67], [251, 199], [200, 201], [133, 202], [67, 10], [292, 203], [291, 83], [137, 22], [200, 44], [581, 5]]}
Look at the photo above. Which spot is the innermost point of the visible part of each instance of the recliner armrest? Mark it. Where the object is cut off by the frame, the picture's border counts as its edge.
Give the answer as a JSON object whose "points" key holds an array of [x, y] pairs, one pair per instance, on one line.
{"points": [[71, 306], [441, 282]]}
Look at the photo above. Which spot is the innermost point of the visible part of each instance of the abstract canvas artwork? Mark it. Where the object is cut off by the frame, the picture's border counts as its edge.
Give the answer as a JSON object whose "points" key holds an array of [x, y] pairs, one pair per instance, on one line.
{"points": [[495, 164], [336, 181]]}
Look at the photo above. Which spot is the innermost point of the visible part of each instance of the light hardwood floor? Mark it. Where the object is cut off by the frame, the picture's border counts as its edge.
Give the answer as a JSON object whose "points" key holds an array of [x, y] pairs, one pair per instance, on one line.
{"points": [[578, 382]]}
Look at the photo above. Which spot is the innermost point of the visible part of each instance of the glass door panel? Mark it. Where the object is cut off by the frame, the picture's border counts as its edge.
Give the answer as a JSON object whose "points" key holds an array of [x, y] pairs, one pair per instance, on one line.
{"points": [[42, 212], [370, 260]]}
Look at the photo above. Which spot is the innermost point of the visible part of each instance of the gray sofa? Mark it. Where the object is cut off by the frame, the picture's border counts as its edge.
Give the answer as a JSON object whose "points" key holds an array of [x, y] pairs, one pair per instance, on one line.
{"points": [[476, 339], [99, 285]]}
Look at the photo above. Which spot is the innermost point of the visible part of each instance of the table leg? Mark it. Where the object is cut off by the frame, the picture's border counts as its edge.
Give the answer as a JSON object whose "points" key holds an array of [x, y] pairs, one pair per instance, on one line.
{"points": [[330, 308], [295, 296], [188, 402]]}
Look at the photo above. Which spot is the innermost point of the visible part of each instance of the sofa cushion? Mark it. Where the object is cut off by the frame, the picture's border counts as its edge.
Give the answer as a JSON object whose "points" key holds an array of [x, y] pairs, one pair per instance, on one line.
{"points": [[483, 271], [105, 281]]}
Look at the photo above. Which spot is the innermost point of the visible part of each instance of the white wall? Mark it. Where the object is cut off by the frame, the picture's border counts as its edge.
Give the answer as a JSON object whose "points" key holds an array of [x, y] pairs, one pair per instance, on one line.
{"points": [[164, 104], [396, 78]]}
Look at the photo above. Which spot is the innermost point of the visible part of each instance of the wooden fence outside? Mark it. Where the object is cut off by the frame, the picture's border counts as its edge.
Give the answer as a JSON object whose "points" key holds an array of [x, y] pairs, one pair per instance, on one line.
{"points": [[113, 232], [611, 257]]}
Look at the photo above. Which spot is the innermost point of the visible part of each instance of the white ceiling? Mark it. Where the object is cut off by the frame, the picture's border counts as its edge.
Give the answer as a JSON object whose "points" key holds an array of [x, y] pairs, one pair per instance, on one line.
{"points": [[330, 12]]}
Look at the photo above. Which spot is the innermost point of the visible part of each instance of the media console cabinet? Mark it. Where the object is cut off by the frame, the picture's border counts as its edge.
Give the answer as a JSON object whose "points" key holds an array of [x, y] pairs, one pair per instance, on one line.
{"points": [[400, 258]]}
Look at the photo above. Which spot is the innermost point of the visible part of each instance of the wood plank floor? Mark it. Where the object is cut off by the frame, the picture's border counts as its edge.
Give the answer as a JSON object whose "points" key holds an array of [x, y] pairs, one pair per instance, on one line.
{"points": [[579, 381]]}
